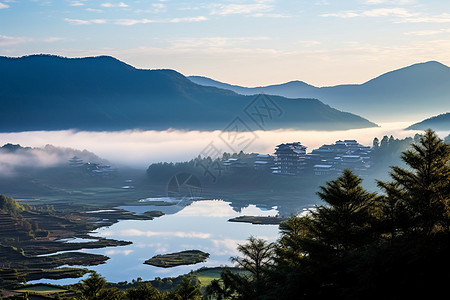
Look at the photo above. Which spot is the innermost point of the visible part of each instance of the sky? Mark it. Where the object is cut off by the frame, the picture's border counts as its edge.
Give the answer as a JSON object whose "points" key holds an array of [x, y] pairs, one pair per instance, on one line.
{"points": [[249, 43]]}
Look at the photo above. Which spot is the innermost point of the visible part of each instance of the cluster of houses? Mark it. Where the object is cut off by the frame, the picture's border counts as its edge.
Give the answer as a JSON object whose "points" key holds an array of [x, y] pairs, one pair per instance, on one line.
{"points": [[94, 169], [292, 159]]}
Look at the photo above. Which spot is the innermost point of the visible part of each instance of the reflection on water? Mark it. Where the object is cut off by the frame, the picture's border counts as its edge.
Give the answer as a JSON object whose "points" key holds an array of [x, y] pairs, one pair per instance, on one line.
{"points": [[203, 225]]}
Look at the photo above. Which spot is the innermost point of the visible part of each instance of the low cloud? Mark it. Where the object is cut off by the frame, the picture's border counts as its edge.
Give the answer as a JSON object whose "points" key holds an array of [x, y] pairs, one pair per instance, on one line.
{"points": [[12, 160], [247, 9], [120, 4], [85, 22], [398, 12], [141, 148], [76, 3], [130, 22]]}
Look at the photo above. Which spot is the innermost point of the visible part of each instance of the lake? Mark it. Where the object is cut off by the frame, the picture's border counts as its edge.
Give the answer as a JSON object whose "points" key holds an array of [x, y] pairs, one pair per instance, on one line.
{"points": [[202, 225]]}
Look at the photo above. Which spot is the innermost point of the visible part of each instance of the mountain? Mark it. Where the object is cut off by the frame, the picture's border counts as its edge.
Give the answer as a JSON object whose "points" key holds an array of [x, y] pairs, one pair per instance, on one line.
{"points": [[45, 92], [440, 122], [289, 90], [416, 91]]}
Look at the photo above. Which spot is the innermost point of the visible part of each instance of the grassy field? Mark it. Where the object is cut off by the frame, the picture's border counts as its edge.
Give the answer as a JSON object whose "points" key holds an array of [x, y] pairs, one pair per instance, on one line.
{"points": [[206, 275], [41, 289]]}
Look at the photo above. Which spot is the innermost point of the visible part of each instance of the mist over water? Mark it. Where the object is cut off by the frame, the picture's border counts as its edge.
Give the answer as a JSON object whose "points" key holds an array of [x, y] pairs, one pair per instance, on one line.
{"points": [[141, 148]]}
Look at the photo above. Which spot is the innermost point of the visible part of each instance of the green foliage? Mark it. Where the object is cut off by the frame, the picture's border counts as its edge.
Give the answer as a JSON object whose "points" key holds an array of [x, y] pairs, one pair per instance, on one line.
{"points": [[188, 289], [417, 199], [344, 223], [257, 257], [93, 287], [144, 291], [359, 245], [257, 260], [231, 286], [10, 206]]}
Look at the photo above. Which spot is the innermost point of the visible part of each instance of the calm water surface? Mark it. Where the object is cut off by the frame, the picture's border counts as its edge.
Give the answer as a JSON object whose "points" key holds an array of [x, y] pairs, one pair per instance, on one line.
{"points": [[202, 225]]}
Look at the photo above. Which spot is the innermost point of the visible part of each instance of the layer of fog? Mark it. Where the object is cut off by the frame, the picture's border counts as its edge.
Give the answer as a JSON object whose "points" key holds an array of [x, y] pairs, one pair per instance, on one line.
{"points": [[141, 148], [13, 158]]}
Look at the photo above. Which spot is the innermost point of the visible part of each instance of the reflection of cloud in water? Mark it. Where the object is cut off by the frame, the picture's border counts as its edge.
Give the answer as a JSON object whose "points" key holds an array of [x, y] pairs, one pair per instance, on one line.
{"points": [[226, 246], [158, 246], [252, 210], [118, 251], [145, 147], [220, 208], [208, 208], [137, 232]]}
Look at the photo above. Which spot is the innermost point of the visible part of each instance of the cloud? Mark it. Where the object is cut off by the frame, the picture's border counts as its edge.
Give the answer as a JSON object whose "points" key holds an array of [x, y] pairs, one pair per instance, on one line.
{"points": [[145, 147], [76, 3], [394, 2], [120, 4], [379, 12], [3, 5], [11, 40], [215, 42], [231, 9], [428, 32], [442, 18], [85, 22], [94, 9], [130, 22], [48, 156]]}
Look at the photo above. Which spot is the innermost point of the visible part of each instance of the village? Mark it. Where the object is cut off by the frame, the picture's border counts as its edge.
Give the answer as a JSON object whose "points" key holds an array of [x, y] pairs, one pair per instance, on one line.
{"points": [[292, 159]]}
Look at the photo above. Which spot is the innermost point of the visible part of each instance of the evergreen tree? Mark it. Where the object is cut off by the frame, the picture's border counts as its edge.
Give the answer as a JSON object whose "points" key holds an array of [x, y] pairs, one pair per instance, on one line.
{"points": [[257, 257], [344, 223], [189, 289], [376, 143], [144, 291], [418, 198], [257, 260], [93, 287], [384, 142]]}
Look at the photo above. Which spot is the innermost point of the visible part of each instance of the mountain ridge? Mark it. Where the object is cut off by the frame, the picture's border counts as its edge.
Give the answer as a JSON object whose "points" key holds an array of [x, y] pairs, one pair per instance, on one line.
{"points": [[439, 122], [44, 92], [415, 91]]}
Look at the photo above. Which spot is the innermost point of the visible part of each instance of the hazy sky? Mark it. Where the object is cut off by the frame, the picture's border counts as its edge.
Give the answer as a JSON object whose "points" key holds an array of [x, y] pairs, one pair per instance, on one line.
{"points": [[322, 42]]}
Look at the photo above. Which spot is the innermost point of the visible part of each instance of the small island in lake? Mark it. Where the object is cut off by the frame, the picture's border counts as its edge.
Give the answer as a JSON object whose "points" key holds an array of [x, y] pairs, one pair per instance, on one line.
{"points": [[259, 220], [188, 257]]}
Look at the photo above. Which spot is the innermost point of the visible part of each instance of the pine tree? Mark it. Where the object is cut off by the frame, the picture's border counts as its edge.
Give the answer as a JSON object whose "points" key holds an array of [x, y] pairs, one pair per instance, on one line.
{"points": [[343, 224], [417, 199]]}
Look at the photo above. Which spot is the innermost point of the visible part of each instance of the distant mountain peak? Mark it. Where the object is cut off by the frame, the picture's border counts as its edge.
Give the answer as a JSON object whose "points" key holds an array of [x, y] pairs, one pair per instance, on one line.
{"points": [[47, 92], [439, 122]]}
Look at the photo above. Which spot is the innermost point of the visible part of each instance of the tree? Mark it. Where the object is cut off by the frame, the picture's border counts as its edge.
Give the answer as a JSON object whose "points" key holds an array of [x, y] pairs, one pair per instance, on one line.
{"points": [[92, 287], [257, 260], [257, 257], [384, 142], [418, 198], [376, 143], [344, 223], [231, 286], [144, 291], [189, 288]]}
